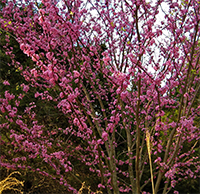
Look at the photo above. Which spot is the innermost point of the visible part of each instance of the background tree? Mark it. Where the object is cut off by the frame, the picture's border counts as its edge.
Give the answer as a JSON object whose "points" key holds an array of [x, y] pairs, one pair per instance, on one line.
{"points": [[127, 115]]}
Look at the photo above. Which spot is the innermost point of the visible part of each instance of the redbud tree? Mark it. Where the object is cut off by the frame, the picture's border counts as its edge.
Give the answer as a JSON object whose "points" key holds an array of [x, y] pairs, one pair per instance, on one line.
{"points": [[123, 75]]}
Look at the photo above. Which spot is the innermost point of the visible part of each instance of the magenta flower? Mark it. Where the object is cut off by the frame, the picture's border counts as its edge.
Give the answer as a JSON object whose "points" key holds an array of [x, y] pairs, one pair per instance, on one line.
{"points": [[105, 136], [6, 83], [76, 74]]}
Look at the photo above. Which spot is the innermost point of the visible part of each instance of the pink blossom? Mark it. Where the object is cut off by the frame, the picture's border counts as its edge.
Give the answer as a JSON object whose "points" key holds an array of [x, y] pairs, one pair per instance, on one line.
{"points": [[99, 141], [71, 97], [105, 136], [62, 95], [22, 46], [3, 110], [159, 146], [37, 94], [25, 88], [6, 83], [123, 95], [76, 74], [35, 57], [9, 96], [49, 55], [42, 11], [158, 160], [118, 90], [101, 186]]}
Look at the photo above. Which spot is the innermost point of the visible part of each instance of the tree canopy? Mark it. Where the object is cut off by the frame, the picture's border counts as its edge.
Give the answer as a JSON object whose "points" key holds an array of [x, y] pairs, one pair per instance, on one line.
{"points": [[108, 90]]}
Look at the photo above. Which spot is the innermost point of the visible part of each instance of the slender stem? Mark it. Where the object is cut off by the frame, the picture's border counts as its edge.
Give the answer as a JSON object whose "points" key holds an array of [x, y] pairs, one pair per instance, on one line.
{"points": [[150, 162], [129, 145], [137, 163]]}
